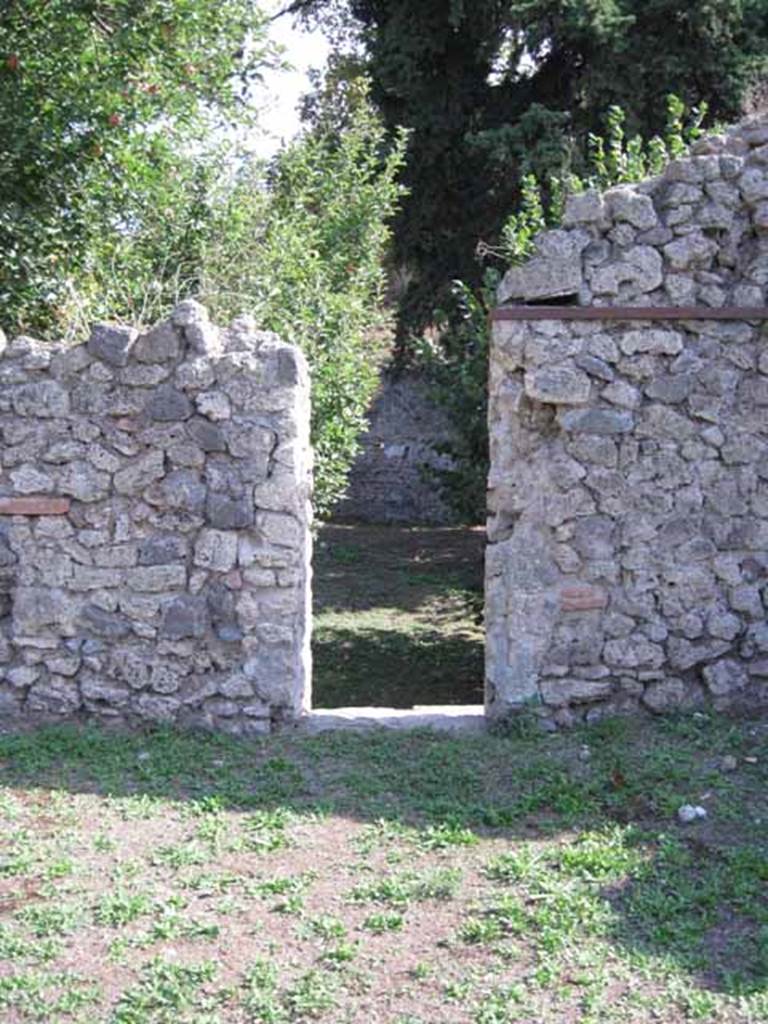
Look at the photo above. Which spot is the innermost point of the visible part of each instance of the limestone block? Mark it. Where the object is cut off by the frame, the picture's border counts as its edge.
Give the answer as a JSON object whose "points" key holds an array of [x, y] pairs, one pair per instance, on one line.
{"points": [[195, 374], [113, 694], [82, 481], [593, 538], [670, 388], [561, 692], [238, 687], [57, 696], [22, 676], [753, 184], [219, 708], [109, 625], [86, 577], [156, 578], [42, 400], [746, 599], [682, 193], [632, 652], [140, 473], [214, 405], [622, 394], [656, 341], [625, 203], [555, 272], [639, 269], [157, 709], [280, 529], [595, 367], [29, 480], [725, 677], [558, 385], [584, 208], [596, 421], [185, 616], [38, 610], [216, 550], [665, 695], [693, 250]]}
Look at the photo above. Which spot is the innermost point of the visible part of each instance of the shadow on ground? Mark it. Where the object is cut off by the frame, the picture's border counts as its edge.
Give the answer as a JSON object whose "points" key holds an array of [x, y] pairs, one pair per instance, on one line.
{"points": [[397, 616], [396, 668], [586, 822], [363, 567]]}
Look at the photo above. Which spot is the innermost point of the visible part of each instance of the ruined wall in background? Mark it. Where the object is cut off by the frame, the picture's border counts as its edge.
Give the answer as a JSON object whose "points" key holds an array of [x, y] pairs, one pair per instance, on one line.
{"points": [[390, 480], [628, 534], [154, 527]]}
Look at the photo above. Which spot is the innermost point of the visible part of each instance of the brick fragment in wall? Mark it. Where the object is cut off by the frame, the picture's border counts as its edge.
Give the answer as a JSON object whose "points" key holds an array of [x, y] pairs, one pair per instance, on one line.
{"points": [[658, 536], [37, 506]]}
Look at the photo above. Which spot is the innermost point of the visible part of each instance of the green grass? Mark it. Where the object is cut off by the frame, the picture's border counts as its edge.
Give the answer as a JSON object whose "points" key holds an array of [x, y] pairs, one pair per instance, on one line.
{"points": [[418, 877]]}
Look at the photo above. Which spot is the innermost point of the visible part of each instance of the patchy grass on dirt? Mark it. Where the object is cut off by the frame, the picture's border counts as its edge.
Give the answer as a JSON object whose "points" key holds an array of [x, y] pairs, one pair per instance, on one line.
{"points": [[397, 616], [401, 879]]}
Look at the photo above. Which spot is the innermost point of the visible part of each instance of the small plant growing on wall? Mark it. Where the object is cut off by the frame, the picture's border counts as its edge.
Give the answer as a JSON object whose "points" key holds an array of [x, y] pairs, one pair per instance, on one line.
{"points": [[458, 359]]}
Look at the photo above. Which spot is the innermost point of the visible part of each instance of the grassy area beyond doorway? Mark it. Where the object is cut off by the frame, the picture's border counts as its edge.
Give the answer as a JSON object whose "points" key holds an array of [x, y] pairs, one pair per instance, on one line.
{"points": [[398, 616]]}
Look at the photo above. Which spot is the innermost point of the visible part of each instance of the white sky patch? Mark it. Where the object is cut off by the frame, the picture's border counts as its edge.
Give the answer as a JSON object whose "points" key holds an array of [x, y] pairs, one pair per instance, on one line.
{"points": [[278, 102]]}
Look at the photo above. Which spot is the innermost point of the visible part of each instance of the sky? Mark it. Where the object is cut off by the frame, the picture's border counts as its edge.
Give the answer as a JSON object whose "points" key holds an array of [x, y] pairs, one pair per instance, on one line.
{"points": [[283, 89]]}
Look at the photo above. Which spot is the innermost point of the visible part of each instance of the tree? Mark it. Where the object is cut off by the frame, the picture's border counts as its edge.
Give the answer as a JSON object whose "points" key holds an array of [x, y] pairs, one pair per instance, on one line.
{"points": [[106, 107], [123, 187], [496, 89], [304, 253]]}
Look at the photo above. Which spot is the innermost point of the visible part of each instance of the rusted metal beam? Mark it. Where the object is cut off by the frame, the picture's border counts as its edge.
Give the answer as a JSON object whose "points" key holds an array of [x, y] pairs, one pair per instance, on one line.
{"points": [[629, 313]]}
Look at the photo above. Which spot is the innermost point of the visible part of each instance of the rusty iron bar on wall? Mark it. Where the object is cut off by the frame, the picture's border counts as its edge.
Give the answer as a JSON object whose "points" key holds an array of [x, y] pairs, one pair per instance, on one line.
{"points": [[629, 313]]}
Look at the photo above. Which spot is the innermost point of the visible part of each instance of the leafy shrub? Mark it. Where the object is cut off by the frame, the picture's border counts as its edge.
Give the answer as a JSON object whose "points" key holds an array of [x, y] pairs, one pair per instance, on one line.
{"points": [[104, 110], [124, 187], [306, 258]]}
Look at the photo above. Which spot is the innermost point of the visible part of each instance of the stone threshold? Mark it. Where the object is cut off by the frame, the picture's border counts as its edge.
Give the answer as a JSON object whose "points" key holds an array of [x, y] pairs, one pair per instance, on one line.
{"points": [[455, 718]]}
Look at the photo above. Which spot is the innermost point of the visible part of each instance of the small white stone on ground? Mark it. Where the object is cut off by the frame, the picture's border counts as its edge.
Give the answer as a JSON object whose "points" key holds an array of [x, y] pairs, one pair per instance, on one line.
{"points": [[690, 812]]}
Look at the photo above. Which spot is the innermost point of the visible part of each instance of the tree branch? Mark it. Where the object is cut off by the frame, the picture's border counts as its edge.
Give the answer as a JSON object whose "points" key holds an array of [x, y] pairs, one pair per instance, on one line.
{"points": [[294, 8]]}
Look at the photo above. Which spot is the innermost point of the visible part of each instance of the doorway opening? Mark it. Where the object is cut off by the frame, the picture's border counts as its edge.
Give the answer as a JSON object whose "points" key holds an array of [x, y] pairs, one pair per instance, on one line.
{"points": [[398, 618]]}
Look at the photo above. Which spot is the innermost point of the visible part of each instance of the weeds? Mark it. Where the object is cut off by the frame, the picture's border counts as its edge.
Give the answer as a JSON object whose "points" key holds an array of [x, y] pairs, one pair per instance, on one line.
{"points": [[488, 880]]}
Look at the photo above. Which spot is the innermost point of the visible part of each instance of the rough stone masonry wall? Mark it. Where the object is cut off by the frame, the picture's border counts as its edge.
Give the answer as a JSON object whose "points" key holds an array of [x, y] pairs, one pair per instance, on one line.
{"points": [[154, 544], [391, 480], [628, 494]]}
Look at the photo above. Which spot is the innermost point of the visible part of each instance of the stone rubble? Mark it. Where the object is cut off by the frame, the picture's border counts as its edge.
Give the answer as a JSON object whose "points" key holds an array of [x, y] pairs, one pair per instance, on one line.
{"points": [[627, 566], [154, 527]]}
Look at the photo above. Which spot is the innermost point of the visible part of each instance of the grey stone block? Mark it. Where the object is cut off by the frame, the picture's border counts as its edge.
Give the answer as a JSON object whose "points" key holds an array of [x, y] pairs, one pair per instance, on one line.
{"points": [[112, 344], [167, 404], [597, 421]]}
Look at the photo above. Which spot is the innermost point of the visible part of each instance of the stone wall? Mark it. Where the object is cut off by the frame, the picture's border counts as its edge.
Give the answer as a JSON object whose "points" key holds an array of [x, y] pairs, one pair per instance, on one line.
{"points": [[390, 480], [628, 494], [154, 543]]}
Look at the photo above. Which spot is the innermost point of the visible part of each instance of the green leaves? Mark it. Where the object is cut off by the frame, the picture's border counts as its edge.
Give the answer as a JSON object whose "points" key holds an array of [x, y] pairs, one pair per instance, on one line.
{"points": [[308, 264], [104, 106]]}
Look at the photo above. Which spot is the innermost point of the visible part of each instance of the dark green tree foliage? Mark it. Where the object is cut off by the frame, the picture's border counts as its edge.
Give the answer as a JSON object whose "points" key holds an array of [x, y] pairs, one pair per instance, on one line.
{"points": [[494, 89], [105, 107]]}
